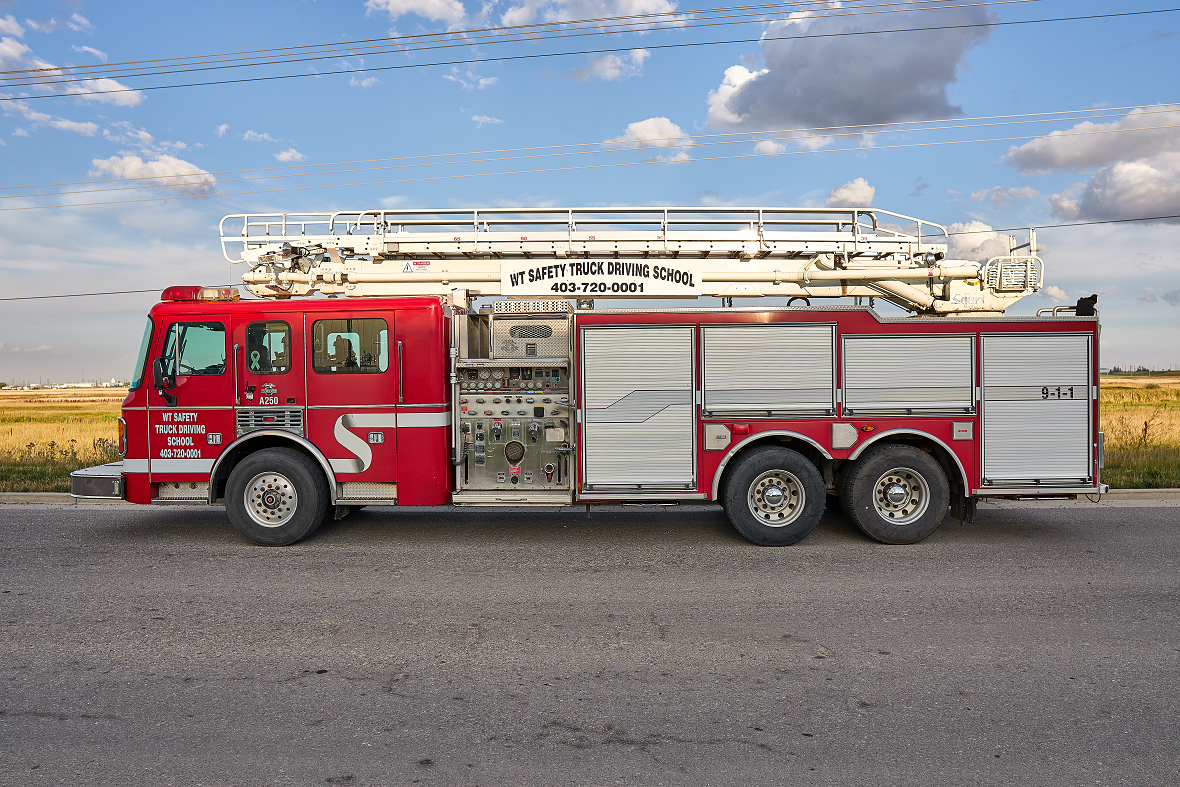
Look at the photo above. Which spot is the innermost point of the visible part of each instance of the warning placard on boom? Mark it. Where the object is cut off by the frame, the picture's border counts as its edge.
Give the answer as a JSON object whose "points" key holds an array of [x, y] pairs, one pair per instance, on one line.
{"points": [[604, 278]]}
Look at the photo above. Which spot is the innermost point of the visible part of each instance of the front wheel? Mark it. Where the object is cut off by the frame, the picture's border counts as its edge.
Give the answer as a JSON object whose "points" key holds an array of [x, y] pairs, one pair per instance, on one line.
{"points": [[897, 494], [774, 497], [276, 497]]}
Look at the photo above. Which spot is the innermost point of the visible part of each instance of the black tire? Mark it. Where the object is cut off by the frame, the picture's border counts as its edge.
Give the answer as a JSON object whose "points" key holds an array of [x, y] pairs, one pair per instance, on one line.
{"points": [[897, 494], [276, 497], [774, 496]]}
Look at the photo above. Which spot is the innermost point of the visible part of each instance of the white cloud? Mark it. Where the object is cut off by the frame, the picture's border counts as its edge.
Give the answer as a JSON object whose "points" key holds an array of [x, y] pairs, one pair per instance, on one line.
{"points": [[528, 11], [20, 132], [655, 133], [613, 67], [12, 51], [9, 25], [976, 241], [125, 133], [1057, 152], [853, 194], [1140, 188], [290, 154], [485, 120], [92, 51], [42, 27], [477, 82], [365, 83], [80, 23], [449, 11], [822, 81], [162, 169], [105, 91], [1004, 197], [395, 203], [1055, 294], [768, 147], [40, 118], [224, 127], [254, 136]]}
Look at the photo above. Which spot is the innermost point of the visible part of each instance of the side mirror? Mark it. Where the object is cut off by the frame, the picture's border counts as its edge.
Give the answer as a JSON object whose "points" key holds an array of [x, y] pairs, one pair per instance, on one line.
{"points": [[160, 377]]}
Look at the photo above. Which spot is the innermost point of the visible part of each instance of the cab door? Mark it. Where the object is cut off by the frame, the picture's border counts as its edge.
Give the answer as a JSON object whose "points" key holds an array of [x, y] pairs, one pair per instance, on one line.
{"points": [[269, 379], [190, 422], [352, 389]]}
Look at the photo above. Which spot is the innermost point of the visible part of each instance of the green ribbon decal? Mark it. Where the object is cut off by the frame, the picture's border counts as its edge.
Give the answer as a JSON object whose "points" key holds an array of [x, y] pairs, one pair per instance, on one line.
{"points": [[255, 360]]}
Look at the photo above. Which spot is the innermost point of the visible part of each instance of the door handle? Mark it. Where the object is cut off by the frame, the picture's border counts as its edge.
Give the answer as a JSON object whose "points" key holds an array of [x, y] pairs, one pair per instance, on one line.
{"points": [[401, 379], [237, 390]]}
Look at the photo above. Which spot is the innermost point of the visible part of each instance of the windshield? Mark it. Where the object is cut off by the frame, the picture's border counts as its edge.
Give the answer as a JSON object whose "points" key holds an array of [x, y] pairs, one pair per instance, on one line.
{"points": [[141, 359]]}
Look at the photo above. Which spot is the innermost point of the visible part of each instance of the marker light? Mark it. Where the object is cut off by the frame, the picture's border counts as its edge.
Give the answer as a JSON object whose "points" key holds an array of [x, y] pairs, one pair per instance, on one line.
{"points": [[200, 294]]}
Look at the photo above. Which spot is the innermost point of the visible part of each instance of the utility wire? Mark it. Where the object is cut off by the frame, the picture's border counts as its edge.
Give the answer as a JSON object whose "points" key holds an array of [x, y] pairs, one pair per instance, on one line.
{"points": [[507, 34], [670, 143], [964, 232], [1058, 115], [608, 50], [943, 143]]}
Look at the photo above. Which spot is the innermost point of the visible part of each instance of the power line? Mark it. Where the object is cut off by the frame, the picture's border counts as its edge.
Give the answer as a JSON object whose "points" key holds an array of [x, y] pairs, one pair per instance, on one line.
{"points": [[791, 135], [609, 50], [1082, 114], [943, 143], [964, 232], [505, 34]]}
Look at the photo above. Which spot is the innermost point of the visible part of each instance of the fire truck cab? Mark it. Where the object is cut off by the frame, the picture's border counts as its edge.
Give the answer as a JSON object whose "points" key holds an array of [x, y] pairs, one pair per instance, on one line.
{"points": [[291, 411]]}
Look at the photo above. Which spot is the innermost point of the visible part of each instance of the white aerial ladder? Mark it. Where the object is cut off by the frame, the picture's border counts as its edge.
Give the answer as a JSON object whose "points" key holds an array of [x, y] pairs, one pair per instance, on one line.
{"points": [[678, 252]]}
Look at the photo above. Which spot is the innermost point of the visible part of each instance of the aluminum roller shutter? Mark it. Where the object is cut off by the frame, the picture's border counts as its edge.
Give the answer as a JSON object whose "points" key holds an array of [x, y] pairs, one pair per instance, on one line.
{"points": [[637, 396], [1036, 409], [893, 374], [767, 369]]}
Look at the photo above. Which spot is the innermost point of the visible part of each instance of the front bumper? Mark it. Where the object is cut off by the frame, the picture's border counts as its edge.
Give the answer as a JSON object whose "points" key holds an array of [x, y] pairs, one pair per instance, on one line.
{"points": [[101, 481]]}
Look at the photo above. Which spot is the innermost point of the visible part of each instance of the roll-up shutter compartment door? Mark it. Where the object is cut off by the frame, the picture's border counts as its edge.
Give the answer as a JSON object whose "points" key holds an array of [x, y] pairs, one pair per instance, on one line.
{"points": [[1036, 409], [909, 373], [769, 369], [637, 398]]}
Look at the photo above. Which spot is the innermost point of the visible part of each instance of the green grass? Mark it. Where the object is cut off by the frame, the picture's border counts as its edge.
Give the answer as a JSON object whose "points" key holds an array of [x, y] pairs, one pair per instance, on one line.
{"points": [[1151, 467], [48, 470]]}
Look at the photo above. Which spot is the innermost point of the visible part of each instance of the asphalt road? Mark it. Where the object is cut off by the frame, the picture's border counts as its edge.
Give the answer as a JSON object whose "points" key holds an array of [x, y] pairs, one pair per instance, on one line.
{"points": [[647, 647]]}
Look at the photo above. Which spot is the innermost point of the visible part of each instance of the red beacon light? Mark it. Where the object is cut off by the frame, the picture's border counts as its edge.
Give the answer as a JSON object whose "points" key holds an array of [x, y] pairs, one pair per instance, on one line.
{"points": [[190, 293]]}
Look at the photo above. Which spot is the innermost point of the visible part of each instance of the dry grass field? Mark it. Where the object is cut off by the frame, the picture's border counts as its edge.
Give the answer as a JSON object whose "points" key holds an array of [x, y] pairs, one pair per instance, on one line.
{"points": [[46, 434]]}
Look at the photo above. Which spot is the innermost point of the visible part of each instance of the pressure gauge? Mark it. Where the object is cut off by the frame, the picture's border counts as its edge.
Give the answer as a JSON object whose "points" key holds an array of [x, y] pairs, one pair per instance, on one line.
{"points": [[484, 374], [497, 373]]}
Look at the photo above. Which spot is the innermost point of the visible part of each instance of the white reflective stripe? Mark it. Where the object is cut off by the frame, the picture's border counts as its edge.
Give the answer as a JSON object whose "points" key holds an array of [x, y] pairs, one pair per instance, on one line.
{"points": [[179, 465], [412, 420], [135, 465], [357, 445]]}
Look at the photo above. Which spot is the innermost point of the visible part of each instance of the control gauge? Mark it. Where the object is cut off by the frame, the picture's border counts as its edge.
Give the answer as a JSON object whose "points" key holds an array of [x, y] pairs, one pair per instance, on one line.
{"points": [[484, 374], [497, 373]]}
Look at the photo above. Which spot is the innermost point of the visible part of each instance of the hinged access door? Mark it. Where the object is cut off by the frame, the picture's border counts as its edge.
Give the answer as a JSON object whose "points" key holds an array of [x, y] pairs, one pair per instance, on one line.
{"points": [[1036, 409], [637, 408]]}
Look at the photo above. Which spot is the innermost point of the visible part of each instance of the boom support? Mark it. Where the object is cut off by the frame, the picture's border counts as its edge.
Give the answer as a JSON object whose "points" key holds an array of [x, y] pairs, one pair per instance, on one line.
{"points": [[624, 252]]}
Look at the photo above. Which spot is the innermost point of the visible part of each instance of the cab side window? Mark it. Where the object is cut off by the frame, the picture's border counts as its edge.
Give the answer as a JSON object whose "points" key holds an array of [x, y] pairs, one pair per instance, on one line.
{"points": [[195, 349], [268, 347], [359, 346]]}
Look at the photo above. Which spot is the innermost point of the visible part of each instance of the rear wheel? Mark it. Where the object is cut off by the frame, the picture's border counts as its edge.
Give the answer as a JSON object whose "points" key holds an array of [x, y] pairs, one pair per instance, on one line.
{"points": [[276, 497], [774, 496], [896, 494]]}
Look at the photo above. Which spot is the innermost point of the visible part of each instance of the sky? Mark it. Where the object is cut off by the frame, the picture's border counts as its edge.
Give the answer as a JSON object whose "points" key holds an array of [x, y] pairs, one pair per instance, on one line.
{"points": [[1110, 150]]}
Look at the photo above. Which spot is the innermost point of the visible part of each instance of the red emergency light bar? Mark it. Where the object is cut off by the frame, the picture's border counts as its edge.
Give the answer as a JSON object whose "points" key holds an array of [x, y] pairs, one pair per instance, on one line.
{"points": [[200, 294]]}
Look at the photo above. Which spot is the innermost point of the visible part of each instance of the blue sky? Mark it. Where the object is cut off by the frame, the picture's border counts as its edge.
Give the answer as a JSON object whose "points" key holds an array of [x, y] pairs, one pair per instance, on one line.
{"points": [[648, 87]]}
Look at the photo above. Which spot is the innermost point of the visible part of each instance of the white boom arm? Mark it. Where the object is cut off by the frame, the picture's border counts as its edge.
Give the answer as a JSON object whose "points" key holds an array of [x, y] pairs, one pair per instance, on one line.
{"points": [[624, 252]]}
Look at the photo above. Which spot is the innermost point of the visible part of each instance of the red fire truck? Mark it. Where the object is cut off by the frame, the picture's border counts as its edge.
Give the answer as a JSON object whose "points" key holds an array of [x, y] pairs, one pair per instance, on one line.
{"points": [[360, 371]]}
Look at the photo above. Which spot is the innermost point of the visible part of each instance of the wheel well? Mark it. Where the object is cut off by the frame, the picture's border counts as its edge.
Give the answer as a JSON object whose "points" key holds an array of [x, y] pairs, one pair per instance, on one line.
{"points": [[950, 466], [237, 453], [780, 441]]}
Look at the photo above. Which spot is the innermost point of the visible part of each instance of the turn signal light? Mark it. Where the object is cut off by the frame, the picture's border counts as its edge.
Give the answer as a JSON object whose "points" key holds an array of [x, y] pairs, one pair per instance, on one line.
{"points": [[200, 294]]}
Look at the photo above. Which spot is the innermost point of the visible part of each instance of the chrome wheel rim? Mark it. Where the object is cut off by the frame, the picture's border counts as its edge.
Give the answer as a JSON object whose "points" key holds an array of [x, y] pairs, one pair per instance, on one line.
{"points": [[901, 495], [776, 498], [271, 500]]}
